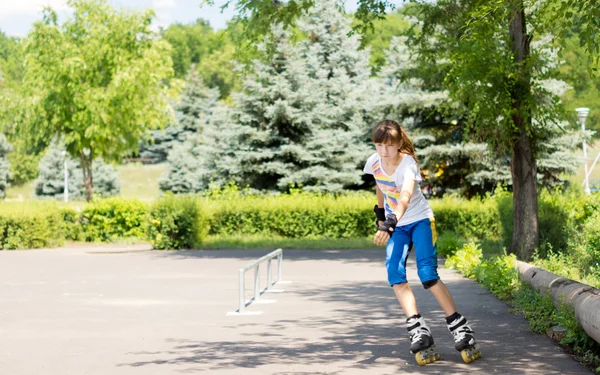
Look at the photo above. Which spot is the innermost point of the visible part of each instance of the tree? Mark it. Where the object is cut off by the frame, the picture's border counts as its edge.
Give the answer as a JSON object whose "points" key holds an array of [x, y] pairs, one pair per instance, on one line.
{"points": [[192, 113], [190, 44], [95, 82], [492, 68], [51, 182]]}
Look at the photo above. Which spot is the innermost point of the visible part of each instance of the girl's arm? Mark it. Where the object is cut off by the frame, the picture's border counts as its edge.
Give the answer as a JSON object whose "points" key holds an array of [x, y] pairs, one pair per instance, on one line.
{"points": [[379, 200], [405, 194]]}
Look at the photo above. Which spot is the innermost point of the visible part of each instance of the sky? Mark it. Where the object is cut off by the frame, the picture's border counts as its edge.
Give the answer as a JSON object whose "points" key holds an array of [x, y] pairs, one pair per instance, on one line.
{"points": [[17, 16]]}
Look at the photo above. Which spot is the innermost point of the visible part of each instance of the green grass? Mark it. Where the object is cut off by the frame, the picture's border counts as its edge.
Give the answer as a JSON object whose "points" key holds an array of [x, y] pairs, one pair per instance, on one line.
{"points": [[271, 242], [140, 181]]}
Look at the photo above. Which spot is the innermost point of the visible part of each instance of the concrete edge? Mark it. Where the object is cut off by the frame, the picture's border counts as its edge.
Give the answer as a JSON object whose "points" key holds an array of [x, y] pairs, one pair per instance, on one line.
{"points": [[584, 299]]}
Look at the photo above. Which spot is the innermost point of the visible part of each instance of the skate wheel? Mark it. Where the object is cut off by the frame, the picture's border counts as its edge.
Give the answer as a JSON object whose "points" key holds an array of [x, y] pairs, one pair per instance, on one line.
{"points": [[469, 355], [429, 358]]}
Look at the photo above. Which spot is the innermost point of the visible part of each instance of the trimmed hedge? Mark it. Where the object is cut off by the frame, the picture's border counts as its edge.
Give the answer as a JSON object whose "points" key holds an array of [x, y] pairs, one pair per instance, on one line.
{"points": [[30, 225], [177, 223], [297, 215]]}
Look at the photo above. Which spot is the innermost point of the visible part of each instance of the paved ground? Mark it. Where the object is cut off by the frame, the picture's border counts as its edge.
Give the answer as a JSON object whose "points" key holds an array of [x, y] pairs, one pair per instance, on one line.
{"points": [[129, 311]]}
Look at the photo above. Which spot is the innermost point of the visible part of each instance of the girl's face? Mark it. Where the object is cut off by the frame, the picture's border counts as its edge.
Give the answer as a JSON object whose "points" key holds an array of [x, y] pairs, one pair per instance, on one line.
{"points": [[387, 150]]}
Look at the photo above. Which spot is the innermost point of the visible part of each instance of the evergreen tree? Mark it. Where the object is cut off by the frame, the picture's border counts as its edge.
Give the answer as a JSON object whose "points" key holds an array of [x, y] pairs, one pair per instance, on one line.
{"points": [[50, 181], [191, 114], [5, 175], [332, 156], [200, 160]]}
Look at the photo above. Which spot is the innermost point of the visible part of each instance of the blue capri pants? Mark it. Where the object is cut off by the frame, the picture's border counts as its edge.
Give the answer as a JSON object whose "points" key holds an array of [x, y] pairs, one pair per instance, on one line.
{"points": [[423, 236]]}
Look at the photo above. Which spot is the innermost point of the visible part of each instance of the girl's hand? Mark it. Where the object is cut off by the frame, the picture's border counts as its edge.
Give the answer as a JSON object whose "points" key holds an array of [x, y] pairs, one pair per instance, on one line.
{"points": [[381, 238]]}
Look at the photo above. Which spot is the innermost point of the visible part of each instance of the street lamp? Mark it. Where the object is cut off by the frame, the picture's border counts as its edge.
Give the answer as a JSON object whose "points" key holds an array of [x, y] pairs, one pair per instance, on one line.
{"points": [[64, 154], [582, 113]]}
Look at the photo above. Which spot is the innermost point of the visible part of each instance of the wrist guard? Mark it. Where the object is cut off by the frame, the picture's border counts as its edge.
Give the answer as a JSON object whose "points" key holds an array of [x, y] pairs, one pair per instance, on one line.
{"points": [[389, 224], [379, 214]]}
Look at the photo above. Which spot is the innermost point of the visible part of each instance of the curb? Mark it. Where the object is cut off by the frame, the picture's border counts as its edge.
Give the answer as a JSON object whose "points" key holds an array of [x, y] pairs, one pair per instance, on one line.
{"points": [[584, 299]]}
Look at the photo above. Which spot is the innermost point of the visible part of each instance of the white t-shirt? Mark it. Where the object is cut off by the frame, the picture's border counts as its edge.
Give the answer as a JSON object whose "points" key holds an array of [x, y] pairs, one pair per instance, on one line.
{"points": [[391, 185]]}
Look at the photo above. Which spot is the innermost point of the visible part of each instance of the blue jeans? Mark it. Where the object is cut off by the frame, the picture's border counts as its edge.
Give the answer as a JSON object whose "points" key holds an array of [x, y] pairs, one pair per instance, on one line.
{"points": [[423, 236]]}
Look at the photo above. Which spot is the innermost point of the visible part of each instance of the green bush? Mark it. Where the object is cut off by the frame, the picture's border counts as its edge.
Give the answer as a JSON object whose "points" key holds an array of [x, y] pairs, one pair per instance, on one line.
{"points": [[466, 260], [499, 275], [177, 223], [30, 225], [448, 243], [471, 219], [105, 220], [296, 216]]}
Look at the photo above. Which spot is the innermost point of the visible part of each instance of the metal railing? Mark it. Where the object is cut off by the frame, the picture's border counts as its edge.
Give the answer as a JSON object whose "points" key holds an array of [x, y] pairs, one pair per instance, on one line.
{"points": [[256, 287]]}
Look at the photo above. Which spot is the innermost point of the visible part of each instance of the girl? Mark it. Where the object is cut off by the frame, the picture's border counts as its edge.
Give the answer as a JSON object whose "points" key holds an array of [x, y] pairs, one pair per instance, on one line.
{"points": [[405, 220]]}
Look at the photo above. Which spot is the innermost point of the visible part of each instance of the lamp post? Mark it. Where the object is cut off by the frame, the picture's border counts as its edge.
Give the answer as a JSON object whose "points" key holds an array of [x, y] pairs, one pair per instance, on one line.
{"points": [[66, 194], [582, 113]]}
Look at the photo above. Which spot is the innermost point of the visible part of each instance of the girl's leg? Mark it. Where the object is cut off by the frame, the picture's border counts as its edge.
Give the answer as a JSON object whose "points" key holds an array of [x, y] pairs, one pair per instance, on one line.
{"points": [[397, 250], [407, 300], [444, 298], [424, 238]]}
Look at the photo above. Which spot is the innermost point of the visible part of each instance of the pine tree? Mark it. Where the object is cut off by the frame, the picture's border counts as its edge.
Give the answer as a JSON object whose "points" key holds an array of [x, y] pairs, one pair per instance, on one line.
{"points": [[332, 156], [5, 175], [192, 113], [50, 181]]}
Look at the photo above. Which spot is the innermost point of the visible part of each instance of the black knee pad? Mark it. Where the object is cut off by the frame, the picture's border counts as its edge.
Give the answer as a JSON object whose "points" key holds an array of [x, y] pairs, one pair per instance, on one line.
{"points": [[430, 283]]}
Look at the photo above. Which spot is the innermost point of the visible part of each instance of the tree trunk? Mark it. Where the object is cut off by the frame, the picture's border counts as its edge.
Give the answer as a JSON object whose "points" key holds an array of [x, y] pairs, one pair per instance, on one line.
{"points": [[86, 167], [523, 165]]}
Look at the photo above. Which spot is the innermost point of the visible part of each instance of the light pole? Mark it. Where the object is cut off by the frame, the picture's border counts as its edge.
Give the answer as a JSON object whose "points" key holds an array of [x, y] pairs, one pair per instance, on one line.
{"points": [[582, 113], [64, 154]]}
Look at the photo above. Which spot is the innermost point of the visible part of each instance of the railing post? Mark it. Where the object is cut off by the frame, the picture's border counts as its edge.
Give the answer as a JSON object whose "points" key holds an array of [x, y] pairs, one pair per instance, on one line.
{"points": [[269, 274], [256, 282], [242, 287], [279, 266]]}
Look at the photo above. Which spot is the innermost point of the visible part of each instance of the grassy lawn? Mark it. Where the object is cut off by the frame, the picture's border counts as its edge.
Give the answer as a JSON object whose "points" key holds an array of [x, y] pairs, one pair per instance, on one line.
{"points": [[141, 181]]}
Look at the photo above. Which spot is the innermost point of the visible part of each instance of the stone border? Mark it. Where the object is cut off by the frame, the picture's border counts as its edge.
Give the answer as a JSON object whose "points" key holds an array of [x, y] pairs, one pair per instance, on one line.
{"points": [[584, 299]]}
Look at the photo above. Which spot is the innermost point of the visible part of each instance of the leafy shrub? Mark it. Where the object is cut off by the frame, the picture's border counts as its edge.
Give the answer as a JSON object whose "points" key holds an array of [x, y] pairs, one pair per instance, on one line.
{"points": [[471, 219], [466, 259], [30, 225], [448, 243], [112, 218], [499, 275], [177, 223]]}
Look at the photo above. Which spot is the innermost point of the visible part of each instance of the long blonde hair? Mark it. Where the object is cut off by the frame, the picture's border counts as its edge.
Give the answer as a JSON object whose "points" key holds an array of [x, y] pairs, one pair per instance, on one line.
{"points": [[389, 131]]}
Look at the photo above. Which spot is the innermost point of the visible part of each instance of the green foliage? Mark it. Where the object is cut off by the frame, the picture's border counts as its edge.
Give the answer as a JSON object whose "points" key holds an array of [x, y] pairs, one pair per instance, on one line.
{"points": [[499, 275], [30, 225], [297, 215], [471, 219], [539, 310], [448, 243], [466, 260], [110, 219], [94, 81], [23, 167], [177, 223]]}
